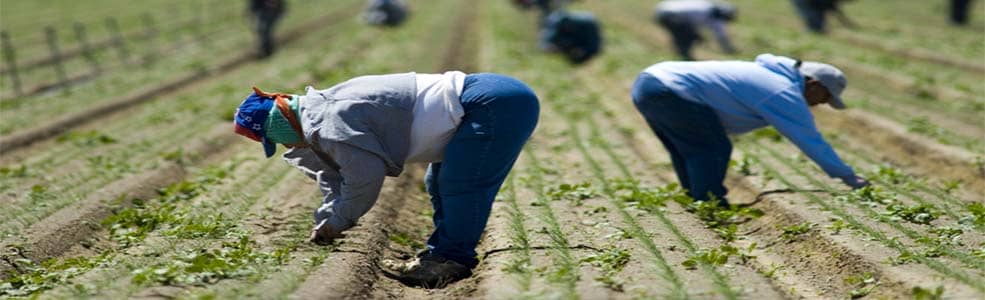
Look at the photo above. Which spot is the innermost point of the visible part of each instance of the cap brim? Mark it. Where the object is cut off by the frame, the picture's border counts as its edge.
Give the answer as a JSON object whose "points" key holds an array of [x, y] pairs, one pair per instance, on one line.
{"points": [[269, 148], [836, 102]]}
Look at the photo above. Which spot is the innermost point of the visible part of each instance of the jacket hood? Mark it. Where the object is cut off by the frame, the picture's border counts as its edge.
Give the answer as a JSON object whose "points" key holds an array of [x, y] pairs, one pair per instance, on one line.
{"points": [[782, 65]]}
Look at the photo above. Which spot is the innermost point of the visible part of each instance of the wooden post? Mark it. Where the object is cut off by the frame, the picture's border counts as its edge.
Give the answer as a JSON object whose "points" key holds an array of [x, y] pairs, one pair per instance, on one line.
{"points": [[114, 30], [150, 33], [56, 56], [8, 55], [80, 34]]}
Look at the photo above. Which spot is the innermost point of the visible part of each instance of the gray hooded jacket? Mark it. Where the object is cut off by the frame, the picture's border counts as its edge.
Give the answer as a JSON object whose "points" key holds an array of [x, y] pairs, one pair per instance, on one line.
{"points": [[359, 132]]}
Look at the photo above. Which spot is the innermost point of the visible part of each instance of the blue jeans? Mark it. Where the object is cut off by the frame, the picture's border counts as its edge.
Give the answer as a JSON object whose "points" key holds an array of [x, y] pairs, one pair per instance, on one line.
{"points": [[698, 145], [813, 11], [500, 114]]}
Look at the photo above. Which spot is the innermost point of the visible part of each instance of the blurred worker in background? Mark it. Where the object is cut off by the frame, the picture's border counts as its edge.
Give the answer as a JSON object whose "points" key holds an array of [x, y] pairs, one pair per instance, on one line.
{"points": [[693, 107], [814, 13], [959, 11], [385, 12], [576, 35], [470, 128], [683, 18], [266, 14]]}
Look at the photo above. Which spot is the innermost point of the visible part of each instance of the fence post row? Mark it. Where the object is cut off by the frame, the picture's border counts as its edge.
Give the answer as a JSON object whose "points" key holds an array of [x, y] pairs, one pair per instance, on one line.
{"points": [[56, 55], [114, 30], [8, 55], [80, 35]]}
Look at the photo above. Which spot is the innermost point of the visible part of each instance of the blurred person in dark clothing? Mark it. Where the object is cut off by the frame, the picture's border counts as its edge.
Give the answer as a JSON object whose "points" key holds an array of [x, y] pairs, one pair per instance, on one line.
{"points": [[385, 12], [267, 13], [683, 19], [814, 13], [959, 11], [574, 34]]}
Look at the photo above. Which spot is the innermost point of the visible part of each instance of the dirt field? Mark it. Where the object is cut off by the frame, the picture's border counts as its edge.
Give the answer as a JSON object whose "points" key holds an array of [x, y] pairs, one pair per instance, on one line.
{"points": [[130, 183]]}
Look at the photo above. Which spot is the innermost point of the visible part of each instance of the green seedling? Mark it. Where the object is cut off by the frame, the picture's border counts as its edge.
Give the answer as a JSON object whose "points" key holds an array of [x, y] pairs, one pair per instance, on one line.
{"points": [[743, 166], [86, 138], [610, 262], [870, 195], [863, 284], [977, 216], [793, 231], [406, 240], [838, 225], [950, 186], [15, 172], [202, 267], [920, 293], [572, 192], [768, 133], [919, 214], [38, 278], [714, 257]]}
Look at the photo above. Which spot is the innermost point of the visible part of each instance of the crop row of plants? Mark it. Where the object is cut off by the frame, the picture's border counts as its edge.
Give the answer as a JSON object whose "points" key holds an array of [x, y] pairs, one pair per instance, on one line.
{"points": [[238, 257], [71, 169], [23, 113]]}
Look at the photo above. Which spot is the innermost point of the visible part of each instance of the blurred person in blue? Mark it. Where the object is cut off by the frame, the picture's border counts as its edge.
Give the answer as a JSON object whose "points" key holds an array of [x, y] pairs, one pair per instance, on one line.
{"points": [[814, 13], [266, 14], [470, 128], [385, 12], [576, 35], [683, 19], [959, 11], [693, 107]]}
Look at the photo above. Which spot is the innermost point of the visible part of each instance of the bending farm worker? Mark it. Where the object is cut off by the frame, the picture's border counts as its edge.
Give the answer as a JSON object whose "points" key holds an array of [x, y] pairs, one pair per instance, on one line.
{"points": [[385, 12], [574, 34], [814, 13], [693, 106], [266, 14], [683, 18], [470, 128]]}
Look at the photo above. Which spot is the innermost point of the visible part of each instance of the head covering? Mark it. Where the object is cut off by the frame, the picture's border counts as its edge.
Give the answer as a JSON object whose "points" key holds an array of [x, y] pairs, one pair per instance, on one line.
{"points": [[830, 77], [279, 129], [251, 119]]}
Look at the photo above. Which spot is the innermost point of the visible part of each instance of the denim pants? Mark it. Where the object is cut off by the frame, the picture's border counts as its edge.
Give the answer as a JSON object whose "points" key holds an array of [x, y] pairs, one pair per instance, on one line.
{"points": [[812, 11], [684, 33], [500, 115], [698, 145]]}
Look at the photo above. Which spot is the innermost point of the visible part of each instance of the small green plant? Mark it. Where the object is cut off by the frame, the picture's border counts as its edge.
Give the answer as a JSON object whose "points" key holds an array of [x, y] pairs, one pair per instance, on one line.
{"points": [[743, 166], [405, 239], [86, 138], [870, 195], [14, 172], [977, 216], [768, 133], [715, 257], [793, 231], [920, 293], [231, 260], [838, 225], [610, 262], [919, 214], [863, 284], [51, 273], [572, 192]]}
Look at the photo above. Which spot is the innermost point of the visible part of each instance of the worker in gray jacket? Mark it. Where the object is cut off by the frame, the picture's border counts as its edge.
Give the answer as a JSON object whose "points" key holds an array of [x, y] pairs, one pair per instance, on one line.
{"points": [[470, 128], [684, 18]]}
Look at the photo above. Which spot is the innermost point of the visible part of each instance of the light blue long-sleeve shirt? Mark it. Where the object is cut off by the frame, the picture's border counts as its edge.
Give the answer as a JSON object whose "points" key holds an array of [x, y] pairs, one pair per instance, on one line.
{"points": [[750, 95]]}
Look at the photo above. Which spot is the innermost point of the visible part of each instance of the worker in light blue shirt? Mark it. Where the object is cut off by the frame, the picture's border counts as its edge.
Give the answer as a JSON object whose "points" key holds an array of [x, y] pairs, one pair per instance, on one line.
{"points": [[693, 107]]}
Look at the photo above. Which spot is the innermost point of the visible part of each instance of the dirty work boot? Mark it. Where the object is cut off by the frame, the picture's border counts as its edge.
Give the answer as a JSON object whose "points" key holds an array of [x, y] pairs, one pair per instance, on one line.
{"points": [[323, 234], [434, 272]]}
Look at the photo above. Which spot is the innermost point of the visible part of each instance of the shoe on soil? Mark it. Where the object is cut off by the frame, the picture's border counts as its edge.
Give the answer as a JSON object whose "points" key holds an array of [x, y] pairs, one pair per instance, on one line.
{"points": [[323, 234], [434, 272]]}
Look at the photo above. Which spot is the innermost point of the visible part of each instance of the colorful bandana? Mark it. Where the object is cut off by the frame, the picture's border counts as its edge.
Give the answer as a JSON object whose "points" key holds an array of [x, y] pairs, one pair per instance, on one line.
{"points": [[251, 117]]}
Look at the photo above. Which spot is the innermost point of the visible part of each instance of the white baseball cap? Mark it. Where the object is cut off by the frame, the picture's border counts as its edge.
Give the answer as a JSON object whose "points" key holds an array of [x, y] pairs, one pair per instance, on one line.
{"points": [[830, 77]]}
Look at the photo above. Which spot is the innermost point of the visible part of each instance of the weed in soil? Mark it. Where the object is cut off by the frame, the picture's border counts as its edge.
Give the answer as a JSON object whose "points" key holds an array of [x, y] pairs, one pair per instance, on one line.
{"points": [[37, 278], [919, 214], [231, 260], [793, 231], [86, 138], [576, 193], [862, 285], [920, 293]]}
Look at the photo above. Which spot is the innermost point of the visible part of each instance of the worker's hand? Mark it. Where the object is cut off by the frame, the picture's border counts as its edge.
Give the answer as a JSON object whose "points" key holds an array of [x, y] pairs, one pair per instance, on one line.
{"points": [[855, 182]]}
